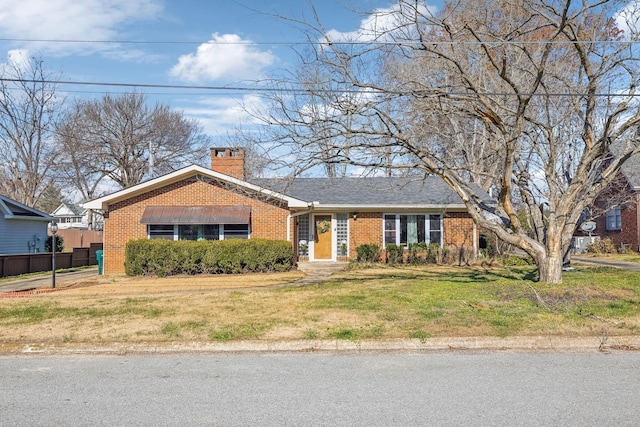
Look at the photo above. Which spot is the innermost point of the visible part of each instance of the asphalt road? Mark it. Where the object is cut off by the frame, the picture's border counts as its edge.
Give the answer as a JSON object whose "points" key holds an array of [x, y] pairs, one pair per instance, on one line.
{"points": [[390, 389]]}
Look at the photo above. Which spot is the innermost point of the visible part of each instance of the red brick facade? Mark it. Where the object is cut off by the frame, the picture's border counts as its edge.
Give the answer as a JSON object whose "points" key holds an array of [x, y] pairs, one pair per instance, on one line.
{"points": [[628, 235], [268, 216], [458, 230], [122, 223], [229, 161], [367, 228]]}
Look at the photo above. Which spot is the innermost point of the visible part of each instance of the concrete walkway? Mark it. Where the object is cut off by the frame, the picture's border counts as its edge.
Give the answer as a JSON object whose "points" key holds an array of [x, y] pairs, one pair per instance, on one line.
{"points": [[608, 263], [45, 280]]}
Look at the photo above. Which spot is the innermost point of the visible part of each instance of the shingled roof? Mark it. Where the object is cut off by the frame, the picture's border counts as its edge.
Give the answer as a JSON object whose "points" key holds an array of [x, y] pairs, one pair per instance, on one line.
{"points": [[371, 191], [631, 170], [339, 193]]}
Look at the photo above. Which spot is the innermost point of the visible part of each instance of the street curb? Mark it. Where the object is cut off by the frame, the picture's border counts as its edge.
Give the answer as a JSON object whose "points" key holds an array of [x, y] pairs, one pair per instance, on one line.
{"points": [[472, 344]]}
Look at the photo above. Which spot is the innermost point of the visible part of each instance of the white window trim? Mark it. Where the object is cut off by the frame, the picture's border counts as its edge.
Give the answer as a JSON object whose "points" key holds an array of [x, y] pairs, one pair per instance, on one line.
{"points": [[176, 235], [614, 212], [427, 228]]}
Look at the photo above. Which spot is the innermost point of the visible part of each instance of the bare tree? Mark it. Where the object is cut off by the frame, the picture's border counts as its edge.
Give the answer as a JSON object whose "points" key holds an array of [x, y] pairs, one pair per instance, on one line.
{"points": [[29, 108], [122, 139], [527, 96]]}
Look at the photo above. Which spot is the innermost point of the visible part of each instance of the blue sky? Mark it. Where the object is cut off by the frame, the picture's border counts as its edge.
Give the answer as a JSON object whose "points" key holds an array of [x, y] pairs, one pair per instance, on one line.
{"points": [[176, 49]]}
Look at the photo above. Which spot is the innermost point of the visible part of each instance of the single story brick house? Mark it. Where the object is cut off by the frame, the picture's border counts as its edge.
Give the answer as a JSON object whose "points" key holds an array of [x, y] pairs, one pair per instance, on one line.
{"points": [[325, 219]]}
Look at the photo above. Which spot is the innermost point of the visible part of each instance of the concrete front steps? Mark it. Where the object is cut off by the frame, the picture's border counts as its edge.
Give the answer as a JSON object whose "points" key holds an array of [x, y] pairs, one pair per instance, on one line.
{"points": [[319, 271]]}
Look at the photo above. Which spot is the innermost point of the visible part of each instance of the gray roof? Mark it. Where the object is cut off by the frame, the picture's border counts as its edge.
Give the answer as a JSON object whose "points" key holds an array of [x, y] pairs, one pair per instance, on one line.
{"points": [[371, 191], [631, 170], [16, 210]]}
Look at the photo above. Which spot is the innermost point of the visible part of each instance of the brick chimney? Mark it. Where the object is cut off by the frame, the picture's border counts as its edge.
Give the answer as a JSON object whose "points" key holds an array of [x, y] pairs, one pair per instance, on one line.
{"points": [[229, 161]]}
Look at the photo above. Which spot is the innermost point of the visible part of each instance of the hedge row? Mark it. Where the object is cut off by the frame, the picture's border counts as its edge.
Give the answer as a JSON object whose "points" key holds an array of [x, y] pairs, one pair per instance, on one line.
{"points": [[166, 258]]}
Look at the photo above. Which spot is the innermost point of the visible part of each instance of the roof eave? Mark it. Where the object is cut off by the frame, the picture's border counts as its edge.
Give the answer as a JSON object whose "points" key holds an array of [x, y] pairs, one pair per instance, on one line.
{"points": [[387, 207], [29, 218], [103, 203]]}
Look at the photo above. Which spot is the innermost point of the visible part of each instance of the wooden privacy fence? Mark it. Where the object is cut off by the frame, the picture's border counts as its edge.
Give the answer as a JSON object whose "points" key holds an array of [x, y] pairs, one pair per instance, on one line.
{"points": [[14, 265], [75, 238]]}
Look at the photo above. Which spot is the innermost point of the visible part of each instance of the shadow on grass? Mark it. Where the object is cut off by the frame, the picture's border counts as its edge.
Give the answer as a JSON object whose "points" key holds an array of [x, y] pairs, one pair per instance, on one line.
{"points": [[425, 274]]}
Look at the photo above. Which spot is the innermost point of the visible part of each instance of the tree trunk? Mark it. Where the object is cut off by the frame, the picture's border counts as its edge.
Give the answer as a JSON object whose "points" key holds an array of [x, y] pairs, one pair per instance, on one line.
{"points": [[550, 268]]}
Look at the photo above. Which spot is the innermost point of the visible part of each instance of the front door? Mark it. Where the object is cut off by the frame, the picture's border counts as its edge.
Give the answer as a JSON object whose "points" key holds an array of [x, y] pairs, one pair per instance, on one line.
{"points": [[323, 233]]}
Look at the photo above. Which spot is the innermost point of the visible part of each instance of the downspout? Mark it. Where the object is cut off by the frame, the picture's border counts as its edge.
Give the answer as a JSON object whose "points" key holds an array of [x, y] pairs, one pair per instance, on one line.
{"points": [[475, 239]]}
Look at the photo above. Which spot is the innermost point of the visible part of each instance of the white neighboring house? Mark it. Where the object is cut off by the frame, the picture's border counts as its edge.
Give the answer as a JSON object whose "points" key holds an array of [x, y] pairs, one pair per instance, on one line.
{"points": [[73, 216]]}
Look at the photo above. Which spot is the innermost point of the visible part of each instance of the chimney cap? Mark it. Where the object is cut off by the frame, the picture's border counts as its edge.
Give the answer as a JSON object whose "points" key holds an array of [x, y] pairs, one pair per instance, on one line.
{"points": [[234, 151]]}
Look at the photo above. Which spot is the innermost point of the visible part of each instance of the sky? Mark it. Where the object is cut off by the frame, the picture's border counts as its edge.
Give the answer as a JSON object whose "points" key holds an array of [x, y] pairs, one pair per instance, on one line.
{"points": [[169, 43]]}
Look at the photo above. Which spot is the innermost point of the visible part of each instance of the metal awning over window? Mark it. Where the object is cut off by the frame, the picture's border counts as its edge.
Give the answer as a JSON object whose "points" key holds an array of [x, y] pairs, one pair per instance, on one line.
{"points": [[196, 215]]}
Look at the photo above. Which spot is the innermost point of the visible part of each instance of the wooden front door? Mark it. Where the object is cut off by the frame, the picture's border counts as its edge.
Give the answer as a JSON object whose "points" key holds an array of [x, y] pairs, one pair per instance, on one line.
{"points": [[323, 233]]}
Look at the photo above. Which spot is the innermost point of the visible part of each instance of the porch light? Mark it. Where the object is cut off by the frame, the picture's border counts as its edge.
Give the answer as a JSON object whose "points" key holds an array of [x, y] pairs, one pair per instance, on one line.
{"points": [[355, 216]]}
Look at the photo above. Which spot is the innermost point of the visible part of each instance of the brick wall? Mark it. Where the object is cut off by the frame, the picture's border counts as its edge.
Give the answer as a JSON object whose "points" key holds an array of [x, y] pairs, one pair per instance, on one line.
{"points": [[229, 161], [268, 219], [368, 228], [458, 230], [628, 233]]}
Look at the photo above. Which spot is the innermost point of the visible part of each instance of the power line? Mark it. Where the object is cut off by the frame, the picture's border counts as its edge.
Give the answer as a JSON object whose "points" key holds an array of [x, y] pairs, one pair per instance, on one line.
{"points": [[231, 89], [327, 42]]}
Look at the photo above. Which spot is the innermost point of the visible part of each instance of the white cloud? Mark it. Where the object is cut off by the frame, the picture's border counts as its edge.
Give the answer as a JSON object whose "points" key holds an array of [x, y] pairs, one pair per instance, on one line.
{"points": [[18, 58], [628, 20], [381, 23], [72, 20], [221, 115], [225, 57]]}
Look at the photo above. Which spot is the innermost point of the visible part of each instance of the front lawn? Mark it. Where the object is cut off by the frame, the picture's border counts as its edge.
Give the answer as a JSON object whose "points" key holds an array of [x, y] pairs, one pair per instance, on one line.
{"points": [[378, 302]]}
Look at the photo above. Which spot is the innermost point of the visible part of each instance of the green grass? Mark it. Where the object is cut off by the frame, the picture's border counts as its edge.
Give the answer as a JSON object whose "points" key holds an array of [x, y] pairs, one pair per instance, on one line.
{"points": [[624, 257], [503, 302], [236, 332], [362, 304], [39, 310]]}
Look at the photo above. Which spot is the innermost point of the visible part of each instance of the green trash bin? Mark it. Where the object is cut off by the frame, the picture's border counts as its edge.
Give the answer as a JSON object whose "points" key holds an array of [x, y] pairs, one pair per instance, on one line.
{"points": [[100, 258]]}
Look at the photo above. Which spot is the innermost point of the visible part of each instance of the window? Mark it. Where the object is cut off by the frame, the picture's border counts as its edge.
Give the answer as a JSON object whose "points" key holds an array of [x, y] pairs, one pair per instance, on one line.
{"points": [[303, 234], [403, 230], [199, 231], [614, 218], [161, 232], [236, 231], [342, 234]]}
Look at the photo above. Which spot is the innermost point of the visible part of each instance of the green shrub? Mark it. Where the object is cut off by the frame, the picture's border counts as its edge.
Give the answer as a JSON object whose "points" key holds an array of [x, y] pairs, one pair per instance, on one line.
{"points": [[394, 254], [602, 246], [418, 253], [515, 260], [369, 252], [59, 244], [166, 257]]}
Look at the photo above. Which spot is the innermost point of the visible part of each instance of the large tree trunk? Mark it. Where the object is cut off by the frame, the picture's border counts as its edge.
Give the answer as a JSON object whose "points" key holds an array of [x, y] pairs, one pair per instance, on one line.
{"points": [[551, 260], [550, 267]]}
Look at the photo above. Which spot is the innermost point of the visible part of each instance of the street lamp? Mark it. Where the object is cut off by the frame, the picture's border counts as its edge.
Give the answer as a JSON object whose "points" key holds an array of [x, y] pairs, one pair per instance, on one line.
{"points": [[54, 229]]}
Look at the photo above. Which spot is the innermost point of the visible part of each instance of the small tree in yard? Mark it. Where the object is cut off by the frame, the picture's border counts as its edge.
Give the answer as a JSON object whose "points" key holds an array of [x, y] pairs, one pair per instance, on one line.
{"points": [[59, 244], [526, 98]]}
